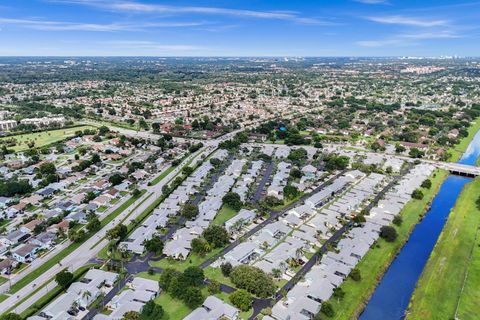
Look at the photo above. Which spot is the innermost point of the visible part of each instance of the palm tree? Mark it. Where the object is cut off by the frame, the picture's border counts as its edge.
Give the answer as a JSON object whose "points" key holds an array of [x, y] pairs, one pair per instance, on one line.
{"points": [[299, 253], [86, 295], [74, 307]]}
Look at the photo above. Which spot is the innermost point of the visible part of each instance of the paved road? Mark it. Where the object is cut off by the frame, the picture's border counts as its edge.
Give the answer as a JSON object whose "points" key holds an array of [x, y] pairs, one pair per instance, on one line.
{"points": [[272, 217], [260, 304], [85, 252], [261, 185]]}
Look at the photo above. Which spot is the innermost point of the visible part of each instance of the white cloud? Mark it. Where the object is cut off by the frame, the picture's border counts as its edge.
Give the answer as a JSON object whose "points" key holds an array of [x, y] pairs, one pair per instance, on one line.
{"points": [[431, 35], [380, 43], [408, 39], [155, 47], [409, 21], [372, 1], [132, 6], [49, 25]]}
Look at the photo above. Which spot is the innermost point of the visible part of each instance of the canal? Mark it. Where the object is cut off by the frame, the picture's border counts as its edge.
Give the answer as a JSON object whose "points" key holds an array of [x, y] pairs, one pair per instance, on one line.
{"points": [[392, 295]]}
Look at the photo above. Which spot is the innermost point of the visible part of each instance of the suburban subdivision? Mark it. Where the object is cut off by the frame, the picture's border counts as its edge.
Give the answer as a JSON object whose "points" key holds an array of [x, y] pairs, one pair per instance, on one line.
{"points": [[136, 185]]}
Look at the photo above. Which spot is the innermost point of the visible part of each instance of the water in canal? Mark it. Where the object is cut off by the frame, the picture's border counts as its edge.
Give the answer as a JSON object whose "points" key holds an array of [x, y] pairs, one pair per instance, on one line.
{"points": [[391, 297]]}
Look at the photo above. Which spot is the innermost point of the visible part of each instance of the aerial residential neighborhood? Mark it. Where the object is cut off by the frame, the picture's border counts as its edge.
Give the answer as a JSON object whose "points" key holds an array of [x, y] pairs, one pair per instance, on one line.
{"points": [[239, 160]]}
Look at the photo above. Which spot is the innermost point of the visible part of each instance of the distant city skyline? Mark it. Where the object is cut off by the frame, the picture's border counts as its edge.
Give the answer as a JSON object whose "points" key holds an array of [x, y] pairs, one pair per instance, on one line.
{"points": [[239, 28]]}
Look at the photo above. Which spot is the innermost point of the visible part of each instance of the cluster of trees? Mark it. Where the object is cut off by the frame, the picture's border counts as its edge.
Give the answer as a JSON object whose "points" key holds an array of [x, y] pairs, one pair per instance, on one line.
{"points": [[271, 201], [212, 237], [118, 232], [241, 299], [93, 223], [336, 162], [195, 147], [232, 200], [295, 173], [416, 153], [12, 187], [135, 165], [86, 132], [388, 233], [298, 156], [253, 279], [87, 163], [64, 279], [189, 211], [427, 184], [290, 192], [155, 245], [234, 143], [417, 194], [205, 123], [290, 135], [116, 179], [151, 311], [185, 286]]}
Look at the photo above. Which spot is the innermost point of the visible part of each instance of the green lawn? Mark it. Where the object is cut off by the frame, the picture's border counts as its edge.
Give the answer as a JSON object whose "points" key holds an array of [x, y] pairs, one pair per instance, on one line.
{"points": [[225, 213], [180, 265], [146, 275], [172, 307], [102, 208], [216, 274], [176, 310], [449, 267], [275, 142], [44, 138], [287, 202], [460, 148], [376, 261]]}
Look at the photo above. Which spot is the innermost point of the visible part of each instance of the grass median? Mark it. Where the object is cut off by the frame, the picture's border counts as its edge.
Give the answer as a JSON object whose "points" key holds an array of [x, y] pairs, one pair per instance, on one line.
{"points": [[47, 298], [376, 262], [451, 276], [162, 175]]}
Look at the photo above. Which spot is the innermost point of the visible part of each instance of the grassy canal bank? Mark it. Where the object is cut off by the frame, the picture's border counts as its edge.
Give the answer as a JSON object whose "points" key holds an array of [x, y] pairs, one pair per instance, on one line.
{"points": [[378, 259], [448, 286], [458, 150]]}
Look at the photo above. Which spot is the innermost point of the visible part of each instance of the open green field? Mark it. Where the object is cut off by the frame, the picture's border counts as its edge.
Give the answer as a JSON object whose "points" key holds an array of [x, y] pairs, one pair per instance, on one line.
{"points": [[193, 259], [376, 261], [217, 275], [44, 138], [460, 148], [451, 276], [176, 310], [225, 213]]}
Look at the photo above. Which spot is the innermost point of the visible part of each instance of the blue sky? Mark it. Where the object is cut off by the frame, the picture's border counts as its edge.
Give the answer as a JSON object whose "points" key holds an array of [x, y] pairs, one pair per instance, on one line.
{"points": [[239, 28]]}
